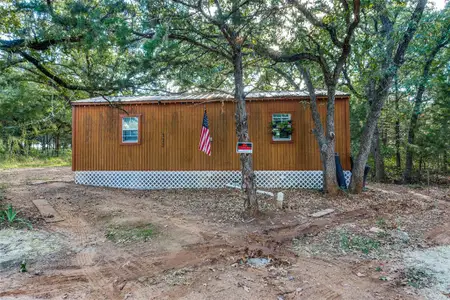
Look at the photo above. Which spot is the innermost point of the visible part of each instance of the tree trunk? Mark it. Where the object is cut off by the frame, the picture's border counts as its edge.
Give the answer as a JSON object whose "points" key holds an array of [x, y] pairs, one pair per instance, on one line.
{"points": [[421, 167], [384, 136], [380, 174], [329, 170], [22, 148], [330, 185], [444, 162], [409, 152], [413, 125], [357, 181], [248, 175], [57, 144], [398, 161], [326, 142], [390, 65]]}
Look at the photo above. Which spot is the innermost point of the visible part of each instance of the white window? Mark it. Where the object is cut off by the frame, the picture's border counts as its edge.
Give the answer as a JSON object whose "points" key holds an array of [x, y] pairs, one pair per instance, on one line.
{"points": [[130, 129], [281, 127]]}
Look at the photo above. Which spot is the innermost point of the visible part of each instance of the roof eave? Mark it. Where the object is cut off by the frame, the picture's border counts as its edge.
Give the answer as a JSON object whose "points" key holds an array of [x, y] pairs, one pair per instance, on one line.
{"points": [[143, 101]]}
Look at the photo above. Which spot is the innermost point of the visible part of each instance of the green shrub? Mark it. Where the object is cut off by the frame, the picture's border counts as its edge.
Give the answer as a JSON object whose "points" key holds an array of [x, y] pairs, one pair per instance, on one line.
{"points": [[419, 277], [129, 234], [358, 242], [9, 217], [11, 162]]}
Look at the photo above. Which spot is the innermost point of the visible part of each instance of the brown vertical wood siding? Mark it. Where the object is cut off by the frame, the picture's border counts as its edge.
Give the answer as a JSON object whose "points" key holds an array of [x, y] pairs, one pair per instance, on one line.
{"points": [[171, 131]]}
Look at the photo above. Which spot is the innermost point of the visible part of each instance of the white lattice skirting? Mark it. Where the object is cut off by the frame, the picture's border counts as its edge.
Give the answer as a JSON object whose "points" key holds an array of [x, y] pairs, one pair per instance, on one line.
{"points": [[199, 179]]}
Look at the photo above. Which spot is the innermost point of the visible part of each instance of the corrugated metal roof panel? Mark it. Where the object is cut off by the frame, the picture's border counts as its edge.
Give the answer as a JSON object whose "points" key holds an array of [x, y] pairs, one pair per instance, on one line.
{"points": [[206, 96]]}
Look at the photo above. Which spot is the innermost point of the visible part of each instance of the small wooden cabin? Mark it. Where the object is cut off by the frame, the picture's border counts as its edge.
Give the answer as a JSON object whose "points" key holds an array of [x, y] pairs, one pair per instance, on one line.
{"points": [[152, 142]]}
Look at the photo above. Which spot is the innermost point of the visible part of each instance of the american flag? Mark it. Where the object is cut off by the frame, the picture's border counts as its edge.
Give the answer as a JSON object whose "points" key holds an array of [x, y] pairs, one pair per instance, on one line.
{"points": [[205, 143]]}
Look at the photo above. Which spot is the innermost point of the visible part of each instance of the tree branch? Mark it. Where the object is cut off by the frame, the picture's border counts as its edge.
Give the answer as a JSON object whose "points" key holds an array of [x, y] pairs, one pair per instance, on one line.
{"points": [[346, 45], [286, 76], [186, 39], [48, 73], [349, 84], [311, 18], [19, 44], [412, 27], [318, 127], [281, 57], [199, 44]]}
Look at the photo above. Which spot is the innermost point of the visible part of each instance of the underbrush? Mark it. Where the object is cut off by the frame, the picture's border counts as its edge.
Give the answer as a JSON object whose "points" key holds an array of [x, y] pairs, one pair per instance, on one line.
{"points": [[11, 162], [126, 234], [353, 241], [9, 217], [2, 192], [418, 277]]}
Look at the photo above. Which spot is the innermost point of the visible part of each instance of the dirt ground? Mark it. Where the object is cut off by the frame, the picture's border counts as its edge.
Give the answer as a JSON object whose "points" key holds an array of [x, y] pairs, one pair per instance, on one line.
{"points": [[197, 244]]}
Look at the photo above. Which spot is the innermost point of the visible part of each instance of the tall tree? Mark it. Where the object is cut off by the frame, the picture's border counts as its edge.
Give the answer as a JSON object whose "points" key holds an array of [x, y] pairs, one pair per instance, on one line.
{"points": [[436, 46], [378, 88], [398, 160], [220, 28], [31, 117], [330, 54], [72, 43]]}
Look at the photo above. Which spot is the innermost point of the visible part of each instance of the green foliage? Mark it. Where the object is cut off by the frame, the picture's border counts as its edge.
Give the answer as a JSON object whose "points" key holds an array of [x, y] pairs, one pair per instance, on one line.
{"points": [[10, 214], [105, 47], [358, 242], [381, 222], [2, 192], [430, 149], [34, 161], [419, 277], [9, 217], [34, 120], [23, 267], [281, 128], [120, 234]]}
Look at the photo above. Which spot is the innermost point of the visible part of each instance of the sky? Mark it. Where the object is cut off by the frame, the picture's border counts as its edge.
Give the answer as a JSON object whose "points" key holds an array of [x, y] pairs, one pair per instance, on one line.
{"points": [[439, 3]]}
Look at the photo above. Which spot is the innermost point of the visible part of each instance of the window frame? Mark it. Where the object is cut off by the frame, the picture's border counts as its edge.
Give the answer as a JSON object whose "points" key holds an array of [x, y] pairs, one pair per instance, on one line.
{"points": [[122, 116], [274, 140]]}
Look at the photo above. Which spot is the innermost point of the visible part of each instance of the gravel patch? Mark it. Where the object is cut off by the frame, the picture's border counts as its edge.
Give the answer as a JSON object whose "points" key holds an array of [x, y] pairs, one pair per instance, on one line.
{"points": [[436, 261], [19, 245]]}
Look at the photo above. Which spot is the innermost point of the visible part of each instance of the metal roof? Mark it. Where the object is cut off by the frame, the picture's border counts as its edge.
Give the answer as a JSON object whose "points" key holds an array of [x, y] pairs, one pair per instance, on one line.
{"points": [[205, 96]]}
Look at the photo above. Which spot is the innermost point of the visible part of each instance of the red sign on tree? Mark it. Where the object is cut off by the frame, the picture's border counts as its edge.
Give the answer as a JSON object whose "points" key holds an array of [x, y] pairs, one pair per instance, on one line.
{"points": [[244, 147]]}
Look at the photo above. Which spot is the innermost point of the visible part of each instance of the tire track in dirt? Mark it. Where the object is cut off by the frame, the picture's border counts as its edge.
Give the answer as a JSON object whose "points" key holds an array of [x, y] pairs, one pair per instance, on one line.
{"points": [[214, 251], [98, 282], [138, 265], [78, 273], [267, 242], [320, 292], [95, 269], [111, 274], [83, 273], [39, 286], [66, 277], [272, 239], [193, 257]]}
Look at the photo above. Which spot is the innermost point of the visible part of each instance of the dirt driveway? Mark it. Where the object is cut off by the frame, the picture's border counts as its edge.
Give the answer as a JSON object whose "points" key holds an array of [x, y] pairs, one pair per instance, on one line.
{"points": [[196, 244]]}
